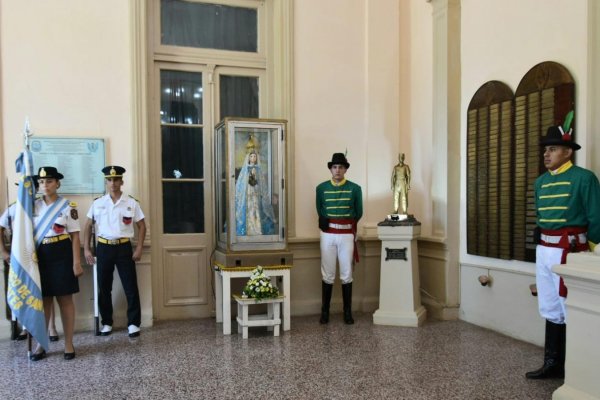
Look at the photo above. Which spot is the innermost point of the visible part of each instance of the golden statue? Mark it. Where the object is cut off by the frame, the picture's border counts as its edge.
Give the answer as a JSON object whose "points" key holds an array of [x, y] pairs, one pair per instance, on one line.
{"points": [[401, 186]]}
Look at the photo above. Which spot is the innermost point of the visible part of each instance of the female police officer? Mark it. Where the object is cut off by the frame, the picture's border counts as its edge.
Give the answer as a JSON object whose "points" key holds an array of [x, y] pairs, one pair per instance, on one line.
{"points": [[57, 237]]}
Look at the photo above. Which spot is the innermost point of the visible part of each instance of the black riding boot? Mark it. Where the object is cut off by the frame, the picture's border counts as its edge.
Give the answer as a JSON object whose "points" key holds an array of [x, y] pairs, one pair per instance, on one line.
{"points": [[327, 288], [554, 353], [347, 296]]}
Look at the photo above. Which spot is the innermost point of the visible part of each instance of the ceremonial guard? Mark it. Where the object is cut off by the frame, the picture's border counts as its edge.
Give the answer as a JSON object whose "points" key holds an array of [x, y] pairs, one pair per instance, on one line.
{"points": [[567, 201], [114, 216], [339, 205], [56, 223]]}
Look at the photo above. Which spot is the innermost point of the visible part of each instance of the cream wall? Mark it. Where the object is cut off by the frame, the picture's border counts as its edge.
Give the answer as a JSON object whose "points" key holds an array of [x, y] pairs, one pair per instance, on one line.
{"points": [[354, 90], [66, 65], [502, 41]]}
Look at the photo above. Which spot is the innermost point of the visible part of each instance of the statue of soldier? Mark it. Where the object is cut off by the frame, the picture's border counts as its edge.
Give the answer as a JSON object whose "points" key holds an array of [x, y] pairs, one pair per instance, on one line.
{"points": [[401, 186]]}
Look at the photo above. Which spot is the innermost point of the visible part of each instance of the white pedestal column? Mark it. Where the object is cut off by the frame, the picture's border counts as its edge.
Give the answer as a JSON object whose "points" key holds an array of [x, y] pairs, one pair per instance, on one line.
{"points": [[399, 295], [582, 277]]}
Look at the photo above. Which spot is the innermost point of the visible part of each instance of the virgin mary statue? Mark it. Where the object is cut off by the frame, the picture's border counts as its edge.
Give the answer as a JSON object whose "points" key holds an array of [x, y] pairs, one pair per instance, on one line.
{"points": [[253, 209]]}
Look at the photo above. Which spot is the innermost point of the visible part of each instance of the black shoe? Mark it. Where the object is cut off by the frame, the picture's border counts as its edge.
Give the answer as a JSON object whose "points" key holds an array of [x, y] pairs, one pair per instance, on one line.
{"points": [[38, 356], [348, 317], [547, 372], [69, 356], [53, 338], [22, 336], [324, 317]]}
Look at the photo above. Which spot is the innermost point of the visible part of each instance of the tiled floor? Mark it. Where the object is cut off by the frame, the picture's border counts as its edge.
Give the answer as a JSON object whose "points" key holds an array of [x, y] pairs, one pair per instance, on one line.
{"points": [[193, 360]]}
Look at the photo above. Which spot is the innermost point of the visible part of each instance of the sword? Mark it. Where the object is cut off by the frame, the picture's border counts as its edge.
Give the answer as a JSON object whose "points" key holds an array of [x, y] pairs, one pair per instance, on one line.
{"points": [[95, 269]]}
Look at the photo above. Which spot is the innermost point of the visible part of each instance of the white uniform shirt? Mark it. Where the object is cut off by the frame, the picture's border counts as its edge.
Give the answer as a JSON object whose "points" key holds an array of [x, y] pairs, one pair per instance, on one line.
{"points": [[10, 211], [115, 220], [66, 222]]}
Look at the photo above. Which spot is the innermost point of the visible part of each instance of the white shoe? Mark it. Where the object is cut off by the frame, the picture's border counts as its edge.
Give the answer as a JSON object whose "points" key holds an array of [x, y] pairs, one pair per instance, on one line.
{"points": [[106, 330], [134, 331]]}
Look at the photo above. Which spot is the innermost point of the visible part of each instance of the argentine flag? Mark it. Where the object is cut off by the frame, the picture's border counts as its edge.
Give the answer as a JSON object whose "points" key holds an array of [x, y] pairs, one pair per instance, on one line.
{"points": [[24, 293]]}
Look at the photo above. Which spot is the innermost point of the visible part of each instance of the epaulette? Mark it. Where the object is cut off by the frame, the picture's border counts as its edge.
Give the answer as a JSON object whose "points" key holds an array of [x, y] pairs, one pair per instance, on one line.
{"points": [[11, 204], [97, 198], [134, 198], [72, 204]]}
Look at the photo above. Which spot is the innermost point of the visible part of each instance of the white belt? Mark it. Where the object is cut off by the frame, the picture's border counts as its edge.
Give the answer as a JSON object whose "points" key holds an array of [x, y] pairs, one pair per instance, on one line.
{"points": [[340, 226], [555, 239]]}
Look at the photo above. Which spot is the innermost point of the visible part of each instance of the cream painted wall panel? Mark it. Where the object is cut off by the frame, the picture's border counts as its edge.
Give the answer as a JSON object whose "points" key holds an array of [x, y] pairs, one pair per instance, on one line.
{"points": [[506, 306], [329, 96], [415, 125], [65, 64], [382, 109], [502, 40]]}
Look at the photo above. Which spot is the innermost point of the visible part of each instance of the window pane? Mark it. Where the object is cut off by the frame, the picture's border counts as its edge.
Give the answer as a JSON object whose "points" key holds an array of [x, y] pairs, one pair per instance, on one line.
{"points": [[180, 97], [183, 207], [211, 26], [239, 96], [182, 152]]}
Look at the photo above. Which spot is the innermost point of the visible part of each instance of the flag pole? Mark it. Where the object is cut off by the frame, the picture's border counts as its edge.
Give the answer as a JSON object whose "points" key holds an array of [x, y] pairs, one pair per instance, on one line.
{"points": [[27, 134]]}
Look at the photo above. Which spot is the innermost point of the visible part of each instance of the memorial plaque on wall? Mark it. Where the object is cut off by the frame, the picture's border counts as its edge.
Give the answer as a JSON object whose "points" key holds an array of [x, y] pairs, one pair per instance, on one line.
{"points": [[547, 94], [489, 145], [80, 160]]}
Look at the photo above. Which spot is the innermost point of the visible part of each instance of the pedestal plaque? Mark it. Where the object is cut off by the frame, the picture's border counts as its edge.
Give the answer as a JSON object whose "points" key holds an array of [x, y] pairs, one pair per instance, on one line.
{"points": [[399, 295]]}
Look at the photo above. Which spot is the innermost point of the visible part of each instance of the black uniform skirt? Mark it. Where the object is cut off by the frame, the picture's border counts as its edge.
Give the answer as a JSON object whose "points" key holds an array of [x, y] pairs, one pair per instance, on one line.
{"points": [[56, 269]]}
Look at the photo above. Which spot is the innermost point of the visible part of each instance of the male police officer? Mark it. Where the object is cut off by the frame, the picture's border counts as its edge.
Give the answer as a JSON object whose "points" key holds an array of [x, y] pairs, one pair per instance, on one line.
{"points": [[114, 215], [567, 201]]}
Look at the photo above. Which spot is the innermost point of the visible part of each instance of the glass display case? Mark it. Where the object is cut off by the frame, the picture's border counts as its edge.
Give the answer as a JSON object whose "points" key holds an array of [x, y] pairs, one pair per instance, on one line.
{"points": [[250, 184]]}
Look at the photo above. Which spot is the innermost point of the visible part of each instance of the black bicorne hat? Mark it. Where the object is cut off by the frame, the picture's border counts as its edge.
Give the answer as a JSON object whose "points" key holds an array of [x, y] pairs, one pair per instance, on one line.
{"points": [[338, 158], [555, 136], [113, 171], [48, 172]]}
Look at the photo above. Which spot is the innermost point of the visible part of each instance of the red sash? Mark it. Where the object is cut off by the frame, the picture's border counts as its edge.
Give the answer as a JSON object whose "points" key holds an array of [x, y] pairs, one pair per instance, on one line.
{"points": [[351, 230]]}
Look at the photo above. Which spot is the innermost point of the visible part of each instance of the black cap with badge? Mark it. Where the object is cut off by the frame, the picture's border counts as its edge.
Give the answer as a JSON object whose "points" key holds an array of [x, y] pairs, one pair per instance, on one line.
{"points": [[113, 171], [48, 172]]}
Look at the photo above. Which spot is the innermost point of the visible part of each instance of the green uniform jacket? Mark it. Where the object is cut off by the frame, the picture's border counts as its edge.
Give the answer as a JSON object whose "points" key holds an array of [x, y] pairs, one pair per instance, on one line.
{"points": [[569, 198], [339, 201]]}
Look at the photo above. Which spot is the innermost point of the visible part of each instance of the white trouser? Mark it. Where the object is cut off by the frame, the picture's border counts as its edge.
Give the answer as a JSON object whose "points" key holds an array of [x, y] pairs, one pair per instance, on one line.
{"points": [[336, 246], [551, 305]]}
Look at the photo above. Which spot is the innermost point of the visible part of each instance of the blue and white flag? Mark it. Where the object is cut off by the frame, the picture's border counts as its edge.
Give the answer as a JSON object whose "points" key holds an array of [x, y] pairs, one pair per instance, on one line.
{"points": [[24, 292]]}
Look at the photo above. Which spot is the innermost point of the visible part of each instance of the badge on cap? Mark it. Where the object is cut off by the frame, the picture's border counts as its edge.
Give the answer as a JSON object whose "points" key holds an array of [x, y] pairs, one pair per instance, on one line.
{"points": [[113, 171], [42, 173]]}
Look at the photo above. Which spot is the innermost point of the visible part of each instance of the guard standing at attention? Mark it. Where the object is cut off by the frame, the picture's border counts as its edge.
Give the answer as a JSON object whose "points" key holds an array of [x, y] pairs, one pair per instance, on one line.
{"points": [[339, 205], [567, 202], [115, 215]]}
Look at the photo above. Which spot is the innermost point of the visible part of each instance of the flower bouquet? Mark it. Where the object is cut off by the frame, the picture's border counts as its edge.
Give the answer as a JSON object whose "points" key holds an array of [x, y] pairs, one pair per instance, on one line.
{"points": [[259, 286]]}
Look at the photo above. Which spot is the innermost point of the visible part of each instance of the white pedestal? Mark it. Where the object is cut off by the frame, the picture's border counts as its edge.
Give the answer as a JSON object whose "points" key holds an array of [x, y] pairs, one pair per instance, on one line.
{"points": [[399, 293], [582, 277]]}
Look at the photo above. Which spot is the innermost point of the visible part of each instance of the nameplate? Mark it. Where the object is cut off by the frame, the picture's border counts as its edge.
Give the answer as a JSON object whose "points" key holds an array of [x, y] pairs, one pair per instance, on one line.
{"points": [[395, 254]]}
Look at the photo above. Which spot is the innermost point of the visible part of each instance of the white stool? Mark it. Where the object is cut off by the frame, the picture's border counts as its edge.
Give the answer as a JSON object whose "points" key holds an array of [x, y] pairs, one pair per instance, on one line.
{"points": [[271, 319]]}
